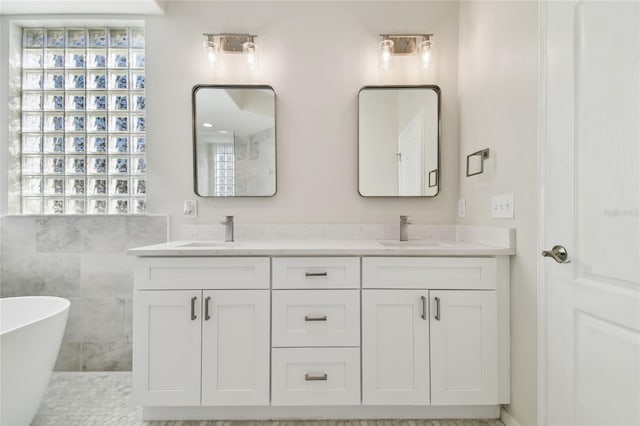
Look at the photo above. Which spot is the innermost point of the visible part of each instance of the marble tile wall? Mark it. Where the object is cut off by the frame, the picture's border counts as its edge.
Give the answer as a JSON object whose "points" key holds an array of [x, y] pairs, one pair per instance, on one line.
{"points": [[83, 259]]}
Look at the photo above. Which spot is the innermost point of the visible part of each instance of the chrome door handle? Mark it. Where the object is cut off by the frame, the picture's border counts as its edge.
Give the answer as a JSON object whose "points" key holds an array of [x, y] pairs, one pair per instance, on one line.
{"points": [[558, 253], [437, 316], [424, 308]]}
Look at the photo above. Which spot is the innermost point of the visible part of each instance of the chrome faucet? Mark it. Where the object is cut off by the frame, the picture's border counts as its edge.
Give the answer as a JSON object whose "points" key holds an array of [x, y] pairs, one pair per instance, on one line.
{"points": [[404, 225], [228, 228]]}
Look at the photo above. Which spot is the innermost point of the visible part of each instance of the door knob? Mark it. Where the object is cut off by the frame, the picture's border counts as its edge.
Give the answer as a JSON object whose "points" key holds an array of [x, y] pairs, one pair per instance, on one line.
{"points": [[558, 253]]}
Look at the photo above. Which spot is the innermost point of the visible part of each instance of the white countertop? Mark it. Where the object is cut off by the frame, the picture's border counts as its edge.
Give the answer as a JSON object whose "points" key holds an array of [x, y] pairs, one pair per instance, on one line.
{"points": [[323, 248]]}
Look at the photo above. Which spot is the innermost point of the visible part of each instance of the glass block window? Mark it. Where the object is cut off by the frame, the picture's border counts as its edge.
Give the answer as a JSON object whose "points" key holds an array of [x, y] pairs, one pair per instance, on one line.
{"points": [[83, 121], [225, 170]]}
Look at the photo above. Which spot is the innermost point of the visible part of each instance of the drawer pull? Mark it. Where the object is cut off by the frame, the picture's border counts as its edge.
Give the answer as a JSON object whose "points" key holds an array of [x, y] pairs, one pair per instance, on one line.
{"points": [[315, 274], [193, 308], [310, 378], [424, 308], [322, 318], [437, 309]]}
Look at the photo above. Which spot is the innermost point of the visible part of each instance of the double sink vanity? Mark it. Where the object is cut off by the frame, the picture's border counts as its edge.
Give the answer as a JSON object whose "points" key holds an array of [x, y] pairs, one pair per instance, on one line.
{"points": [[323, 328], [266, 329]]}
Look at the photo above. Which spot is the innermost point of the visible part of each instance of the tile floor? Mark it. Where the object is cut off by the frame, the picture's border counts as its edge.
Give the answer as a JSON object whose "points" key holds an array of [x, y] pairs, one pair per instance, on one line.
{"points": [[97, 399]]}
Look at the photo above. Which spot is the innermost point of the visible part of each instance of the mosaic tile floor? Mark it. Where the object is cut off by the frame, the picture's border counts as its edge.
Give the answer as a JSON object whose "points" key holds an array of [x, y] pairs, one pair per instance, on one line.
{"points": [[97, 399]]}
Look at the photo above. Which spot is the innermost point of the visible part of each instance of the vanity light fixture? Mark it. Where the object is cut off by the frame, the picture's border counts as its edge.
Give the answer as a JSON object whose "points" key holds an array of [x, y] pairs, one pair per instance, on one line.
{"points": [[405, 45], [218, 43]]}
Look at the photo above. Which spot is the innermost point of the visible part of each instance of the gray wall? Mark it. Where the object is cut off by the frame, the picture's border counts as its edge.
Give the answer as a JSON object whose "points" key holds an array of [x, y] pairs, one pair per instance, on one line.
{"points": [[82, 259], [499, 110], [316, 56]]}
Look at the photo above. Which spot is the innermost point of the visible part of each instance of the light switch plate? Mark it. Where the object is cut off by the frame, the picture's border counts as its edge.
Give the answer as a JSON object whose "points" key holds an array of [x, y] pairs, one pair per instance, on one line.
{"points": [[190, 209], [502, 206], [462, 208]]}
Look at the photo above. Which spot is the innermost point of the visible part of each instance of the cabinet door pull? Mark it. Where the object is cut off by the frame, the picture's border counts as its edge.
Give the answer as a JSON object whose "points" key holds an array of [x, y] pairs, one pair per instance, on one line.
{"points": [[322, 318], [207, 317], [310, 378], [193, 308], [315, 274], [424, 308], [437, 309]]}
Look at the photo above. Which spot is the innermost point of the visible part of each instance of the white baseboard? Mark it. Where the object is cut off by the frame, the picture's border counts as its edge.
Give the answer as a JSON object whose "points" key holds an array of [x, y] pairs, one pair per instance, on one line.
{"points": [[321, 412], [507, 419]]}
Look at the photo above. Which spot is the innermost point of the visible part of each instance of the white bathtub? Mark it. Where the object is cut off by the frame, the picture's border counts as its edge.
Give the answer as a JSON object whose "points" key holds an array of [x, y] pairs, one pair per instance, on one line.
{"points": [[31, 330]]}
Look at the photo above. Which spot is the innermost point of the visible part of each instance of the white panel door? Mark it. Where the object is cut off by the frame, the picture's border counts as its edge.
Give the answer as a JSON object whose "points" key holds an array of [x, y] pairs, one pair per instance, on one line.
{"points": [[235, 347], [411, 157], [166, 347], [395, 347], [464, 347], [590, 317]]}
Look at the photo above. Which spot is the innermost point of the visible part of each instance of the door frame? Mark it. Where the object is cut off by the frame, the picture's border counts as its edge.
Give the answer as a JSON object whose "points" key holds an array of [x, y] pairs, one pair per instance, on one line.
{"points": [[541, 223]]}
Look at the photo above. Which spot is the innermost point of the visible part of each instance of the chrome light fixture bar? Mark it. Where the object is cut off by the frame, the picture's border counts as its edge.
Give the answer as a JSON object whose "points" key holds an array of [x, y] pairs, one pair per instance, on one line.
{"points": [[405, 45], [217, 43]]}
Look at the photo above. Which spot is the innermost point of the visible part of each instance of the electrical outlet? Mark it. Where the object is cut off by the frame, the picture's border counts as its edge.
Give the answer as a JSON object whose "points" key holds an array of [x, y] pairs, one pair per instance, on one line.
{"points": [[502, 206], [190, 208], [462, 208]]}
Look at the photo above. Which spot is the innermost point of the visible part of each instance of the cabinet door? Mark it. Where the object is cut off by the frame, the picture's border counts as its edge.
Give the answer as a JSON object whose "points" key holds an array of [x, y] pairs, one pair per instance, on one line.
{"points": [[395, 347], [166, 347], [235, 347], [464, 354]]}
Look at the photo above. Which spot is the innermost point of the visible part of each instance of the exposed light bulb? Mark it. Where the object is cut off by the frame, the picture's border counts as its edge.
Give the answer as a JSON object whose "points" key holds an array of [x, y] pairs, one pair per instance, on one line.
{"points": [[386, 50], [210, 53], [425, 53], [250, 49]]}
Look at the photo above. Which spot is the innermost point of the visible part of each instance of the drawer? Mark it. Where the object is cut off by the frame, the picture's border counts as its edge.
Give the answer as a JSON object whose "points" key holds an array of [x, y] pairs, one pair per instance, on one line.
{"points": [[316, 272], [316, 318], [201, 273], [315, 376], [429, 273]]}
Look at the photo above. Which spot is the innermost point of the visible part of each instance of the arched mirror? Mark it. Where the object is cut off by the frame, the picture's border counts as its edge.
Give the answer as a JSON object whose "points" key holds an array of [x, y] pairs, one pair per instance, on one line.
{"points": [[398, 141]]}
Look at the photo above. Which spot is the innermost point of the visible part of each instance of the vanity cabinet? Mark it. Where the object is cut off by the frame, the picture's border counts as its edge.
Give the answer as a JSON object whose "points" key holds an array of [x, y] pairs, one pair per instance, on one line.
{"points": [[395, 347], [222, 336], [316, 331], [235, 347], [429, 346], [203, 346], [464, 347], [166, 361]]}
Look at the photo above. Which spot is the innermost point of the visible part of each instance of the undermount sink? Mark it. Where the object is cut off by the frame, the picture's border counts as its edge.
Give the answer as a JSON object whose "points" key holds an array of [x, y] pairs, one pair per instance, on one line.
{"points": [[210, 244], [414, 244]]}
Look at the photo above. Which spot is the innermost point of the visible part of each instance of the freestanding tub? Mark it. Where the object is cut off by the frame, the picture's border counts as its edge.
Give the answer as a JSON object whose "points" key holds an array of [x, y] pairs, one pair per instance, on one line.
{"points": [[31, 330]]}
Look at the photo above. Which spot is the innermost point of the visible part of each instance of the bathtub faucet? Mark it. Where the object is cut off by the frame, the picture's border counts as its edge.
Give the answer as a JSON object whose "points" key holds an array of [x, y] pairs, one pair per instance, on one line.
{"points": [[228, 228]]}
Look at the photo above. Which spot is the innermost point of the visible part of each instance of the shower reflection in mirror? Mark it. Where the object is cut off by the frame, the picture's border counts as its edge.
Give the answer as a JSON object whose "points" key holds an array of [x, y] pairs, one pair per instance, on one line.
{"points": [[234, 141]]}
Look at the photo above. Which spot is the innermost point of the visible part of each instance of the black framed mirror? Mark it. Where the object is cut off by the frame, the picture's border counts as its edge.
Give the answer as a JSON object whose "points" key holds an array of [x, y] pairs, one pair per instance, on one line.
{"points": [[234, 140], [399, 141]]}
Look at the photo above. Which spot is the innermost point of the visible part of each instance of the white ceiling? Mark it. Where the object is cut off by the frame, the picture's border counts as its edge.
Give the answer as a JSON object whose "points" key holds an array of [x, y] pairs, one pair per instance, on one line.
{"points": [[150, 7], [47, 7], [241, 111]]}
